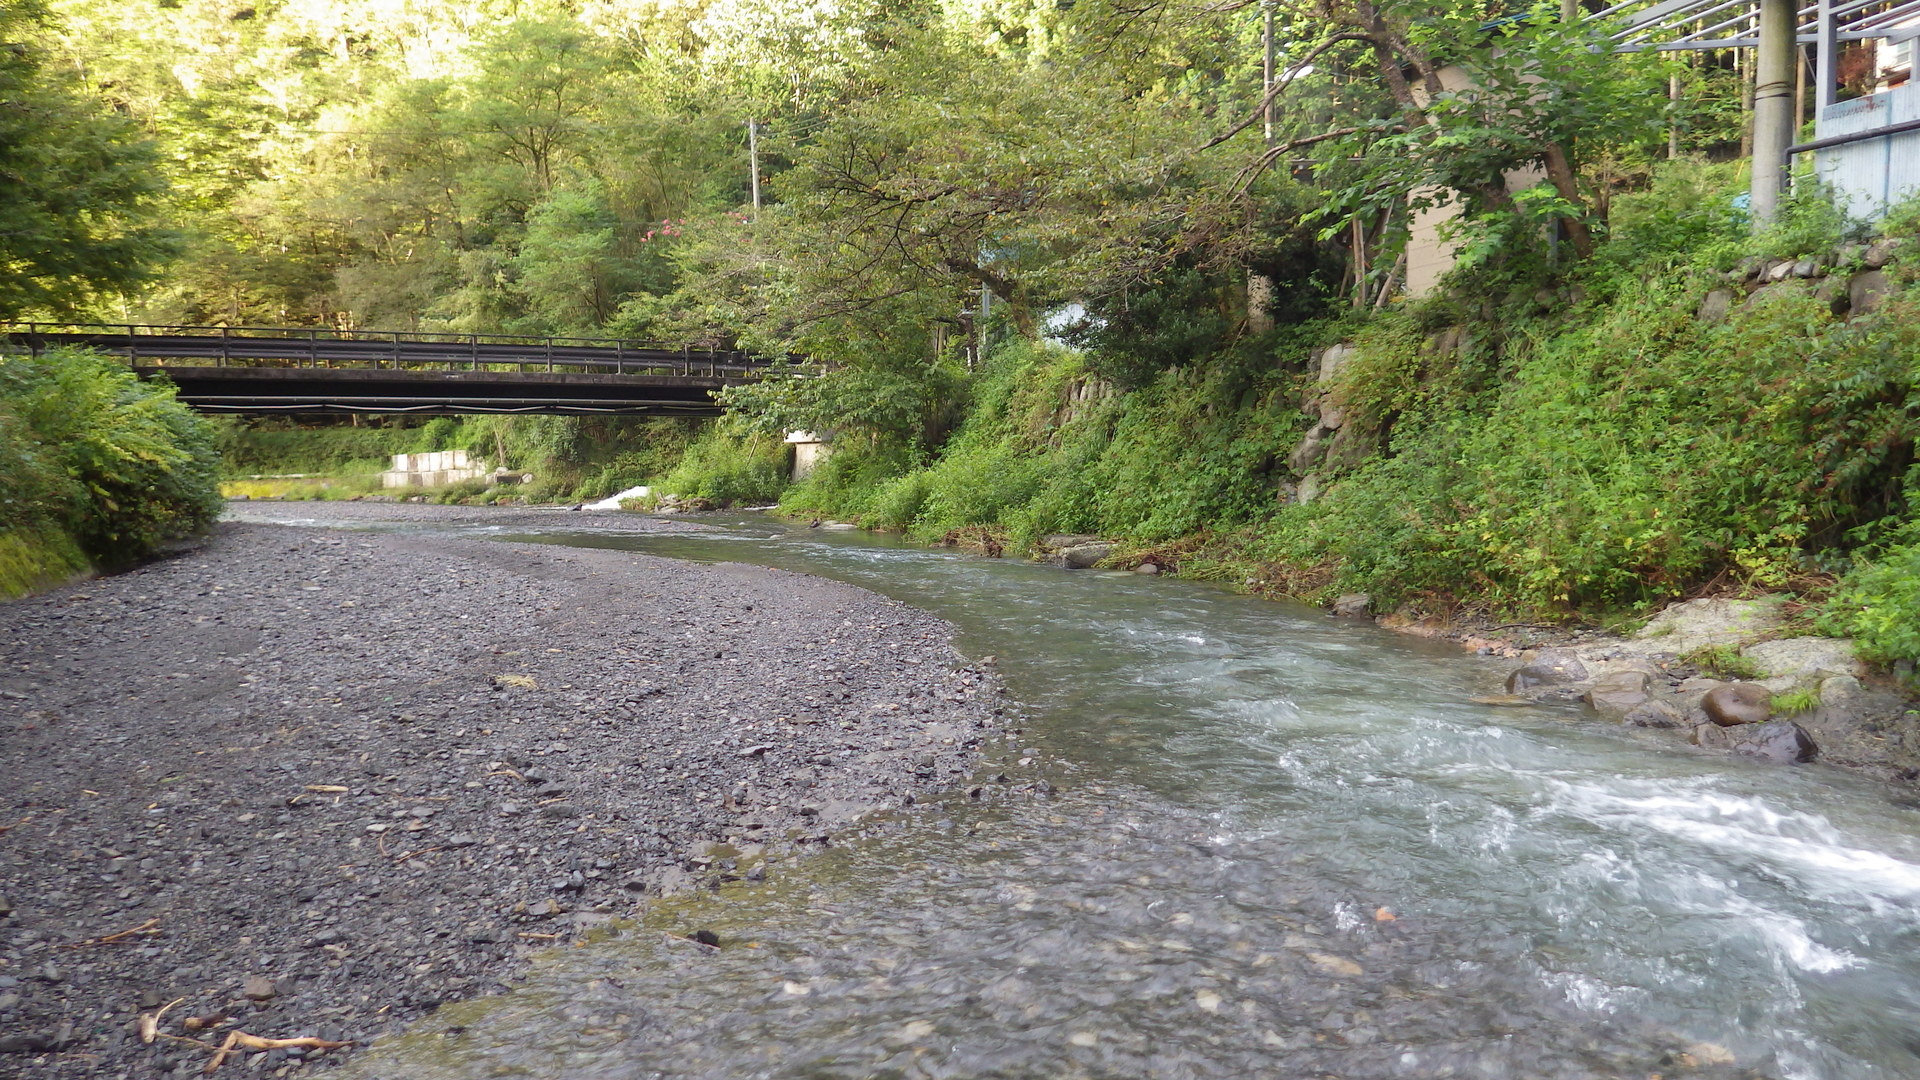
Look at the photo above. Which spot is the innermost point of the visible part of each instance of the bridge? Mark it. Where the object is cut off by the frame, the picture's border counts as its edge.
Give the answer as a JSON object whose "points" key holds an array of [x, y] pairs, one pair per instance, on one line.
{"points": [[244, 369]]}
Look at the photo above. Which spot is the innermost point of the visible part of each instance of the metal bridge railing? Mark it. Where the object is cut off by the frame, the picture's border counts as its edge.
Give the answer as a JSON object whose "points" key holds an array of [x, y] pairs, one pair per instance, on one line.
{"points": [[396, 349]]}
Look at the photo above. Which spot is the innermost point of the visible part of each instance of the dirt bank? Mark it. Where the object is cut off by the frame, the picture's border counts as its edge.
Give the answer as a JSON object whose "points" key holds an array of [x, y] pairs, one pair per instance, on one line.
{"points": [[331, 779]]}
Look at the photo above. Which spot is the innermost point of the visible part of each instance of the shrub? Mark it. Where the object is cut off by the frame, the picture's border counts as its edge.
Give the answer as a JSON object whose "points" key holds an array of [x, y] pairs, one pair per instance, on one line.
{"points": [[96, 463], [730, 469], [1878, 605]]}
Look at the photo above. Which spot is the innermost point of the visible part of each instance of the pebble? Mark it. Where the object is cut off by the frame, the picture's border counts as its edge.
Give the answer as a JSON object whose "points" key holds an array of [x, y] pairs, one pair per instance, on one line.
{"points": [[267, 867]]}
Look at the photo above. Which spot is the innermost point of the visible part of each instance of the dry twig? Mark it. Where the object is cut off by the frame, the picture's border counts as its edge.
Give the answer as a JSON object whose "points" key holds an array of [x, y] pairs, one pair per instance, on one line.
{"points": [[150, 1022], [240, 1040], [148, 927]]}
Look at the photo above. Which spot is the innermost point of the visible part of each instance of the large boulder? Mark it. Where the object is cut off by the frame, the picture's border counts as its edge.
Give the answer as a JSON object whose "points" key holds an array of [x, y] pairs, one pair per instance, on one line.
{"points": [[1618, 693], [1804, 658], [1781, 741], [1548, 668], [1083, 556], [1738, 703], [1708, 622]]}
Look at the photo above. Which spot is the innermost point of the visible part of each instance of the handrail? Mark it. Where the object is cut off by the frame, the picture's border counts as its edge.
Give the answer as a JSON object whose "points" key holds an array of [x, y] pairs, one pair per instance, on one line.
{"points": [[283, 333], [399, 349]]}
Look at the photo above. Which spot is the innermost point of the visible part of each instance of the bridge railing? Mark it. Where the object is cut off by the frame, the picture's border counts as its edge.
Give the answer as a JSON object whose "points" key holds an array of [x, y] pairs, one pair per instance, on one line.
{"points": [[273, 346]]}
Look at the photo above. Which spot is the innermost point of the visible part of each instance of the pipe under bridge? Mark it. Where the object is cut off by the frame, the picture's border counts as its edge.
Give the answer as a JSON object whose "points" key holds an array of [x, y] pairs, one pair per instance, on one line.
{"points": [[265, 370]]}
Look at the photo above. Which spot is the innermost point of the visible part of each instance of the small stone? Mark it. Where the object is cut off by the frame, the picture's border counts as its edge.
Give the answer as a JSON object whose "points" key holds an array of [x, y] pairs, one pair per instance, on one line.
{"points": [[258, 988], [511, 809], [459, 840], [559, 811], [1335, 965], [1147, 568], [325, 937], [1207, 1000], [49, 973]]}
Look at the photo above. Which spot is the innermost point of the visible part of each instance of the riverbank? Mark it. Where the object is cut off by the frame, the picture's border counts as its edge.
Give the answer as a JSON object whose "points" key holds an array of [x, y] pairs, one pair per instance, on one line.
{"points": [[319, 782]]}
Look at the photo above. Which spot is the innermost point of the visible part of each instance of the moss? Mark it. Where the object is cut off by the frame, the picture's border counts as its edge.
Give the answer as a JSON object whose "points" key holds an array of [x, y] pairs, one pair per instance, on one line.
{"points": [[32, 559]]}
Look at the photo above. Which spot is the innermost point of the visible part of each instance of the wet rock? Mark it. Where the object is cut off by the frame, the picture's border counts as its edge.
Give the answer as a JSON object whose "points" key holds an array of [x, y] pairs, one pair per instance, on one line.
{"points": [[1352, 605], [1738, 703], [1653, 713], [1781, 741], [1618, 693], [1549, 668], [1147, 568]]}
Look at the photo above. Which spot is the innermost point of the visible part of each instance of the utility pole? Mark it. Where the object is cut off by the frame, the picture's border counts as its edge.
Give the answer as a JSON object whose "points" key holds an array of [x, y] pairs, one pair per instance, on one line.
{"points": [[1773, 120], [753, 163], [1266, 67]]}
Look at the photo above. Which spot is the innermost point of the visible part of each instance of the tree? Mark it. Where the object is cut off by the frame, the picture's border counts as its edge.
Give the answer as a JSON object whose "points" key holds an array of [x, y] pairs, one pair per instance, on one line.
{"points": [[77, 184]]}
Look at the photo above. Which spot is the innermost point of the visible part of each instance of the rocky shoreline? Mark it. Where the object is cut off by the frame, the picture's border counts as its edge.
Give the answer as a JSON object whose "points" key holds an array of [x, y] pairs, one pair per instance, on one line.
{"points": [[307, 783], [1722, 674]]}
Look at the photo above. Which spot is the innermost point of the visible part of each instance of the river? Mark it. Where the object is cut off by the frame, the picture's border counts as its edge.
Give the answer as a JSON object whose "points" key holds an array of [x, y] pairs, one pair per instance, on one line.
{"points": [[1280, 845]]}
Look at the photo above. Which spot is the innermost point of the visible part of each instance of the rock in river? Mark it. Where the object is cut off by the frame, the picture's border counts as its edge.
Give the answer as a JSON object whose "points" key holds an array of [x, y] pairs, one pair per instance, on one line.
{"points": [[1738, 703], [1781, 741], [1550, 668]]}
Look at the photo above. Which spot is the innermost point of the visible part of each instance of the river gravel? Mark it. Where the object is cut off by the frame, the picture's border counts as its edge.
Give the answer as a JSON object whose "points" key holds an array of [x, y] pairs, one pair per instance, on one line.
{"points": [[331, 779]]}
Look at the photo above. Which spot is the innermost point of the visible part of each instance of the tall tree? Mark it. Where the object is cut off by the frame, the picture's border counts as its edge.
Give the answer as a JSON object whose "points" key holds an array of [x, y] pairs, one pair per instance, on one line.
{"points": [[77, 183]]}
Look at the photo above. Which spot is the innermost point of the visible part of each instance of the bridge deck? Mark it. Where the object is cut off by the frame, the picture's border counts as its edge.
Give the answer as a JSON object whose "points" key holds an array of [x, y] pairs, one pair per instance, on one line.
{"points": [[271, 370]]}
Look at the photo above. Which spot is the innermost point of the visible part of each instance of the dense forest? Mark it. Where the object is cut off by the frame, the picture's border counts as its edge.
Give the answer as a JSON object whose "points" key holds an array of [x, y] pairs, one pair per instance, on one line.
{"points": [[1042, 268]]}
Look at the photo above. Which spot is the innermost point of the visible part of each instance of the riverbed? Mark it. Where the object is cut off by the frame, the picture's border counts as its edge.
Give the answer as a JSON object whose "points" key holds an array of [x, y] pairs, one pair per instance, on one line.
{"points": [[1234, 838], [1280, 845]]}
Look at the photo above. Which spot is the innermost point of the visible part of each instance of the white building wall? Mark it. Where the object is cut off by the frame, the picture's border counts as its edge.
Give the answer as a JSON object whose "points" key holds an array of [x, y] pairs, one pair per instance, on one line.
{"points": [[1872, 174]]}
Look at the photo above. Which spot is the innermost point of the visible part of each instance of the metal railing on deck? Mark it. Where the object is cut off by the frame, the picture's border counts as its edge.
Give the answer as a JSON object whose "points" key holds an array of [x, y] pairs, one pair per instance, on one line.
{"points": [[274, 346]]}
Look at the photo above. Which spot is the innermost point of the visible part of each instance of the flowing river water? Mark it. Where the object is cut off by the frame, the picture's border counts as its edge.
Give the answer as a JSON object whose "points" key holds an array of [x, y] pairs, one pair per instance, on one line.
{"points": [[1279, 845]]}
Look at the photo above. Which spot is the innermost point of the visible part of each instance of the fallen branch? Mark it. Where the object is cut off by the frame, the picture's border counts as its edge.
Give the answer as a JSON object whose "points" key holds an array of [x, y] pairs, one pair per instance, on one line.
{"points": [[240, 1040], [150, 1022], [148, 927]]}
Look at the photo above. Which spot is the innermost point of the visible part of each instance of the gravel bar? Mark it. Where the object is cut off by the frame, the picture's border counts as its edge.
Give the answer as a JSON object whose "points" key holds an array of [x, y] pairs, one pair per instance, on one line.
{"points": [[311, 783]]}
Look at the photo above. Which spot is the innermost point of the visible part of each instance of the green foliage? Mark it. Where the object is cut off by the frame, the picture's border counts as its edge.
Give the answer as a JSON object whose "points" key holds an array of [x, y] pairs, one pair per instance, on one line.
{"points": [[90, 453], [1797, 702], [266, 446], [1723, 662], [1878, 605], [77, 184], [730, 468]]}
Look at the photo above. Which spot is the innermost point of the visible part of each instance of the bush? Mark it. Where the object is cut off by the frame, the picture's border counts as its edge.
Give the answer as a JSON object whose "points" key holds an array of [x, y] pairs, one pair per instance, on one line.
{"points": [[95, 465], [730, 469], [1878, 605]]}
